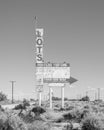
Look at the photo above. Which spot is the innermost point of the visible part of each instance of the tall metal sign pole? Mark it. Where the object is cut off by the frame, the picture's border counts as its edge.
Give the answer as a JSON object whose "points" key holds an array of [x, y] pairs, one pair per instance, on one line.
{"points": [[39, 60], [12, 90]]}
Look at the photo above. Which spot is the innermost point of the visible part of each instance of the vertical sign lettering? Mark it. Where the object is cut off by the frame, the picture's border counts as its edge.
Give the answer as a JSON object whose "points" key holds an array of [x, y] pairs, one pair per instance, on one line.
{"points": [[39, 58], [39, 45]]}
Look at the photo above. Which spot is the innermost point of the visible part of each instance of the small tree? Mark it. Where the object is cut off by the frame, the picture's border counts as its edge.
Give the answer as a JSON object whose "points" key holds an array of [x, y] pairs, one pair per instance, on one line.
{"points": [[26, 102], [22, 106], [37, 110], [86, 98], [93, 121], [56, 98], [3, 97]]}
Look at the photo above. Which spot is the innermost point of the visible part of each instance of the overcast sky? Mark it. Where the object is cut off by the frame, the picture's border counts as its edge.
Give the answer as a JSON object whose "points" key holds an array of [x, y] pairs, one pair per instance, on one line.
{"points": [[73, 32]]}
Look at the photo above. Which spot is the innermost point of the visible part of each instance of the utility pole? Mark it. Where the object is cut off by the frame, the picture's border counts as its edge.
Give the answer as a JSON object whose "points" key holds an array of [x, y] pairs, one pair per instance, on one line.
{"points": [[95, 95], [12, 90], [86, 93], [98, 93]]}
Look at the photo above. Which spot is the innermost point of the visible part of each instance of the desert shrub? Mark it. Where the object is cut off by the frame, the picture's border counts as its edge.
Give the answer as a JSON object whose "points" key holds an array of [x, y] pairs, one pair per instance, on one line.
{"points": [[95, 108], [31, 115], [3, 97], [30, 118], [22, 106], [56, 98], [66, 99], [61, 109], [101, 105], [66, 104], [57, 105], [87, 107], [52, 116], [27, 118], [102, 110], [38, 110], [69, 116], [98, 102], [86, 98], [3, 120], [59, 120], [17, 107], [76, 115], [26, 102], [10, 121], [16, 123], [1, 108], [93, 122], [32, 100], [39, 125], [70, 108]]}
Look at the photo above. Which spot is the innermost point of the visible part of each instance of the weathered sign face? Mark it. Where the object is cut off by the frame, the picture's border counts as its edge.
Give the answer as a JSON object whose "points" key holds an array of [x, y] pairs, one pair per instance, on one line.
{"points": [[54, 73], [57, 72], [56, 84]]}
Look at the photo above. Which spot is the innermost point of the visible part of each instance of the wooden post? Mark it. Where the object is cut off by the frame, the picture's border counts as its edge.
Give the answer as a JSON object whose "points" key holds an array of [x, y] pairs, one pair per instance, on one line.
{"points": [[50, 96], [40, 98]]}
